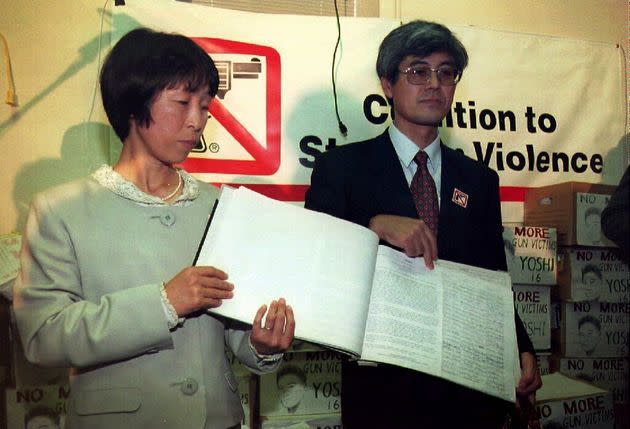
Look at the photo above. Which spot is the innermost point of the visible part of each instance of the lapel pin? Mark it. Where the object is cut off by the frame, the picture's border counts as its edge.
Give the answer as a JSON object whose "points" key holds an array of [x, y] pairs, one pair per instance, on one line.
{"points": [[460, 198]]}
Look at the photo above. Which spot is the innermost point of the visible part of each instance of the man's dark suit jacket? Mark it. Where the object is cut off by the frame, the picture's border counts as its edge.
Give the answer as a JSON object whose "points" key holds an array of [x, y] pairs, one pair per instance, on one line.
{"points": [[359, 181]]}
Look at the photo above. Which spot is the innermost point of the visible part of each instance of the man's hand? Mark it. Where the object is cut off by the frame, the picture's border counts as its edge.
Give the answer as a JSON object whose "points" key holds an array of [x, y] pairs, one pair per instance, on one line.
{"points": [[197, 288], [275, 334], [412, 235]]}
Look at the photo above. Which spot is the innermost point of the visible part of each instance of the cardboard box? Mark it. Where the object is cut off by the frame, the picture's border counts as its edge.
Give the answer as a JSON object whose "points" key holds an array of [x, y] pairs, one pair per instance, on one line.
{"points": [[44, 405], [608, 373], [247, 390], [589, 274], [305, 384], [543, 360], [563, 402], [332, 421], [573, 208], [533, 306], [247, 387], [594, 329], [530, 253]]}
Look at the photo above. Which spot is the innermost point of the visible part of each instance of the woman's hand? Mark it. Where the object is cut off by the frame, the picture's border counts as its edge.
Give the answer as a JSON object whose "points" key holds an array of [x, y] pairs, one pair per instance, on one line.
{"points": [[197, 288], [275, 335]]}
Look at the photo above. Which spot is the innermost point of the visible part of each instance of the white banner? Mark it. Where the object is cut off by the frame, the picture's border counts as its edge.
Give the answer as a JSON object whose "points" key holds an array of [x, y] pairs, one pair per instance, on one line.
{"points": [[526, 104]]}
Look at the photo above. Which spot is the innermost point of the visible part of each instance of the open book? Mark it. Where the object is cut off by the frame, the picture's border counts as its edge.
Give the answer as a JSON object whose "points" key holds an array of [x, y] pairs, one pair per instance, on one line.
{"points": [[370, 301]]}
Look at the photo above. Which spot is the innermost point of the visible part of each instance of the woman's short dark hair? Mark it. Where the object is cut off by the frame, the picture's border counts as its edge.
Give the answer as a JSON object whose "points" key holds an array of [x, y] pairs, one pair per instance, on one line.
{"points": [[145, 62], [419, 38]]}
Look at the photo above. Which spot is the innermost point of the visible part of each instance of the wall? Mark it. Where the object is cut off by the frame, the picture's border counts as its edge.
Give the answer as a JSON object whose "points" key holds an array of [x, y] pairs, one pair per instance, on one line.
{"points": [[58, 134], [596, 20], [48, 138]]}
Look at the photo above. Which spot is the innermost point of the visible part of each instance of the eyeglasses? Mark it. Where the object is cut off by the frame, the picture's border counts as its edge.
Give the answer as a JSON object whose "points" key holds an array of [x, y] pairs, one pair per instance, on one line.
{"points": [[422, 74]]}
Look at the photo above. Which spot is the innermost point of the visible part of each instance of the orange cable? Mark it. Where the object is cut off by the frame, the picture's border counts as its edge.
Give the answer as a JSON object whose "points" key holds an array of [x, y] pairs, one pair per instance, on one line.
{"points": [[11, 99]]}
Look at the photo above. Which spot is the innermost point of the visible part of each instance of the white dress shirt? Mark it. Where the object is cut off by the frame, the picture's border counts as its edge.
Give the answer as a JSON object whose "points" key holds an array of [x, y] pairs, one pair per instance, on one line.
{"points": [[407, 150]]}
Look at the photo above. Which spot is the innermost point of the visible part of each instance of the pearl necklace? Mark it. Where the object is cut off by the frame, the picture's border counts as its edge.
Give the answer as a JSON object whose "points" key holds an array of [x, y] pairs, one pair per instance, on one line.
{"points": [[179, 185]]}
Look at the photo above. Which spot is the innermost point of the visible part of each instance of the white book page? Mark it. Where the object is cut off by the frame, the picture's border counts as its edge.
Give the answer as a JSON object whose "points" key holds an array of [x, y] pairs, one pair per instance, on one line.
{"points": [[405, 320], [321, 265], [479, 329], [455, 322]]}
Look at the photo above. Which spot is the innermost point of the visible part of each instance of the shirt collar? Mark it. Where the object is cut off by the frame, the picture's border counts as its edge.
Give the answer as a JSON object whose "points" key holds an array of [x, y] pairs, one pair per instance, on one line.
{"points": [[407, 150], [107, 177]]}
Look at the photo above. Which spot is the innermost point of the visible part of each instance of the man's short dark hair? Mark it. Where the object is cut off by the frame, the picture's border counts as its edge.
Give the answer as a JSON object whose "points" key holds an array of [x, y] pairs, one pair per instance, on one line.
{"points": [[590, 319], [419, 38], [145, 62], [41, 411], [590, 268]]}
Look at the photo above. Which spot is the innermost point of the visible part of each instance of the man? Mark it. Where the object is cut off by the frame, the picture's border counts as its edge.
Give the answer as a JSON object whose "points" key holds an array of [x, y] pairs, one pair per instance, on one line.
{"points": [[374, 183], [589, 334], [593, 225], [291, 384], [592, 281]]}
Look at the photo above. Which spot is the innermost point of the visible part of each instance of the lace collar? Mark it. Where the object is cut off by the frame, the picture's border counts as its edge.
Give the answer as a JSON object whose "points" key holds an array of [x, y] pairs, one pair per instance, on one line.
{"points": [[110, 179]]}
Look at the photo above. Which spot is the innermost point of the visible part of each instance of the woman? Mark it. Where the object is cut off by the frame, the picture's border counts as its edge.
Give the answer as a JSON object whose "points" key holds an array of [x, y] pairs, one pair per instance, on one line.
{"points": [[106, 287]]}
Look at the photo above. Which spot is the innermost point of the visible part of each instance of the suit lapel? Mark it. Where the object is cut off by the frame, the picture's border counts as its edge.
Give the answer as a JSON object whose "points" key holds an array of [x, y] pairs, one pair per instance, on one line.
{"points": [[451, 213], [449, 181], [391, 190]]}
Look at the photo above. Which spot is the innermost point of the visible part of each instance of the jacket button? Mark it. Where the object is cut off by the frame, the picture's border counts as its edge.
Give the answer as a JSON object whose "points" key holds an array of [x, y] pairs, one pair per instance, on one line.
{"points": [[167, 218], [189, 386]]}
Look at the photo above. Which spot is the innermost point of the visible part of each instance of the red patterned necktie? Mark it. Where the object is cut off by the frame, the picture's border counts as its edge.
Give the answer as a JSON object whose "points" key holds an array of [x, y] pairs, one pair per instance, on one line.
{"points": [[424, 193]]}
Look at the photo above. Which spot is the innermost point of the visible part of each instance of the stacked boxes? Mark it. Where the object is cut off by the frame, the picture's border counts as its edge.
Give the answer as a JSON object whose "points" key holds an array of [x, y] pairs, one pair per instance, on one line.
{"points": [[531, 259], [592, 296]]}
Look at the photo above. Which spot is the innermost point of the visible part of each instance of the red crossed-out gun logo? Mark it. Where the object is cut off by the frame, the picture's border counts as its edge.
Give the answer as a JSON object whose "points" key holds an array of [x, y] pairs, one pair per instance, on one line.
{"points": [[241, 64]]}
